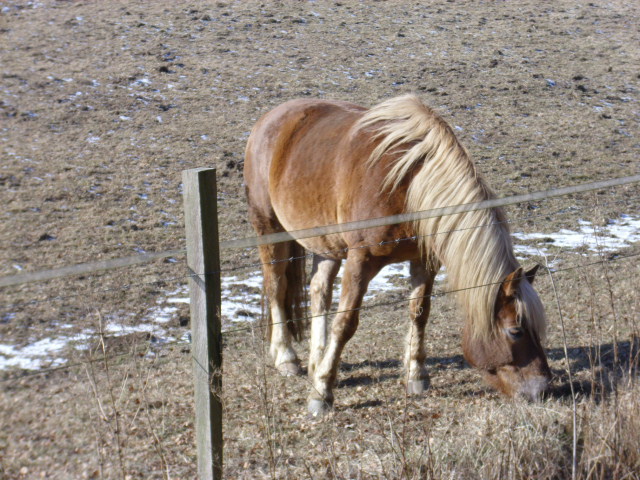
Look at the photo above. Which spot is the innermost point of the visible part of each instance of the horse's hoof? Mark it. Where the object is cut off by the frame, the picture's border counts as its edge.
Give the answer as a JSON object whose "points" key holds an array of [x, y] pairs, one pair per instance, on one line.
{"points": [[289, 369], [417, 387], [318, 408]]}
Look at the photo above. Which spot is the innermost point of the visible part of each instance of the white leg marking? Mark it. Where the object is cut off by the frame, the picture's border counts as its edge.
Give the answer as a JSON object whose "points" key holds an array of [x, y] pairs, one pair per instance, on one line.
{"points": [[321, 287], [280, 348]]}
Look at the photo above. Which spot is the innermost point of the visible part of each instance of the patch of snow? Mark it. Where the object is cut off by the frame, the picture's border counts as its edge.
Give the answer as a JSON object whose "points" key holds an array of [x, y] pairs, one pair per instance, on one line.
{"points": [[141, 81], [383, 281], [33, 356], [523, 251], [617, 234], [255, 280], [179, 300], [119, 330], [163, 314]]}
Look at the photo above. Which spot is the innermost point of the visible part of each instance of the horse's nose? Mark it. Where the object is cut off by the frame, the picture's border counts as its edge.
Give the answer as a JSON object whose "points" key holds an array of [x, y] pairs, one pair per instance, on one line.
{"points": [[532, 388]]}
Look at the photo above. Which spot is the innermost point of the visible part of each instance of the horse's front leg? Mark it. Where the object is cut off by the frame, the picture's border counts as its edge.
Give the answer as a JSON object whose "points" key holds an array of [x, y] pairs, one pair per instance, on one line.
{"points": [[422, 278], [358, 272], [322, 277]]}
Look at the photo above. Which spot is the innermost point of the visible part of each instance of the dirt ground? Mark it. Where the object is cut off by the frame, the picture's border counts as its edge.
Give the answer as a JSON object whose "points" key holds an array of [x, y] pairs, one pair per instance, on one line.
{"points": [[103, 104]]}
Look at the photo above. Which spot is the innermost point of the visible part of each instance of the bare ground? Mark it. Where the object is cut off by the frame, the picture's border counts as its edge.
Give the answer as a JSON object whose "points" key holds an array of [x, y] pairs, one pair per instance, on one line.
{"points": [[103, 104]]}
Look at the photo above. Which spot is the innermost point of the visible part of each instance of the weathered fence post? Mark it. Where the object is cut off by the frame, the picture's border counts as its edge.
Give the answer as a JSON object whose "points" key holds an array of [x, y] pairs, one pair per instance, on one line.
{"points": [[203, 261]]}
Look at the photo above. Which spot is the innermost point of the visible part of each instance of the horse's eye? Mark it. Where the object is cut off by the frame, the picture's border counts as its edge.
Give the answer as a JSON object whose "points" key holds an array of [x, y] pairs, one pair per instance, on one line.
{"points": [[515, 333]]}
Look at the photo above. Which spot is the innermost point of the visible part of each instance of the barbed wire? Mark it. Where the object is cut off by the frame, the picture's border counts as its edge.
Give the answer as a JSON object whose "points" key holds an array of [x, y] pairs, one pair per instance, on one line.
{"points": [[279, 237], [256, 264], [433, 295], [411, 238], [341, 251], [388, 242], [229, 332], [570, 209], [408, 217]]}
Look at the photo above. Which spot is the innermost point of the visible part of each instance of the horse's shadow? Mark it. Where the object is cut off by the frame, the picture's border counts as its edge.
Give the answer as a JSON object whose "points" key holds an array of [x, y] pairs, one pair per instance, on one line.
{"points": [[602, 365], [391, 368]]}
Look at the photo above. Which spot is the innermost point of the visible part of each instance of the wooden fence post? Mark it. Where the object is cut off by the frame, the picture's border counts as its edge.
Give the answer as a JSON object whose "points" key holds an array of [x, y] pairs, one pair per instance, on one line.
{"points": [[203, 261]]}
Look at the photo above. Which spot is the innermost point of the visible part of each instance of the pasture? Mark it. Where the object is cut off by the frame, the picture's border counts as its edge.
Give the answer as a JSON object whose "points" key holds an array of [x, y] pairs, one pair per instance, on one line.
{"points": [[103, 104]]}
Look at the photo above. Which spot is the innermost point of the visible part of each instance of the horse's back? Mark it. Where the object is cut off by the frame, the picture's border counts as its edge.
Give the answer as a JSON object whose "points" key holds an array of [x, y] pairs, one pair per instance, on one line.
{"points": [[292, 158], [275, 132]]}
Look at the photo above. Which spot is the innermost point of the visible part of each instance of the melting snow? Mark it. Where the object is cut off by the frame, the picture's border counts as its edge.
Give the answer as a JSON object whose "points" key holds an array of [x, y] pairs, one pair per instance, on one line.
{"points": [[35, 355], [617, 234]]}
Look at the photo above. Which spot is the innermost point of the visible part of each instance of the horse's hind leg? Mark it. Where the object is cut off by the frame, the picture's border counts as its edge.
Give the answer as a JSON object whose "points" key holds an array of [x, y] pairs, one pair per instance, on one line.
{"points": [[322, 277], [422, 278], [359, 269], [274, 267]]}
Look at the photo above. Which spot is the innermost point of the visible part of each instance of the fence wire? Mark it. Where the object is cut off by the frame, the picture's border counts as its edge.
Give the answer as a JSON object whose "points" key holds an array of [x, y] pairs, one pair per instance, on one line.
{"points": [[264, 325], [433, 295], [341, 252], [232, 331], [320, 231]]}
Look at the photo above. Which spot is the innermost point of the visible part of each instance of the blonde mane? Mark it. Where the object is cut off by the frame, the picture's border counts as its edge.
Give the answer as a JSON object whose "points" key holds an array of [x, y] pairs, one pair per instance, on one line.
{"points": [[474, 246]]}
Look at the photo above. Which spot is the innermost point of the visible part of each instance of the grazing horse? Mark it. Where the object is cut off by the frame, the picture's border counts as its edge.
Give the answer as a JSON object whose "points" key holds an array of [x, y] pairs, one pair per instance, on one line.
{"points": [[315, 162]]}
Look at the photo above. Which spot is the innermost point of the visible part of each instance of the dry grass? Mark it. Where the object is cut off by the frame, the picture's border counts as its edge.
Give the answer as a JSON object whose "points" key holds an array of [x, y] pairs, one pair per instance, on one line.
{"points": [[130, 416], [460, 429], [543, 94]]}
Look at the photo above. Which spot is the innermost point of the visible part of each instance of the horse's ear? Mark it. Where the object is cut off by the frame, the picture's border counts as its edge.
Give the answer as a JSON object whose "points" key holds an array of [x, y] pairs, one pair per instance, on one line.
{"points": [[510, 284], [531, 274]]}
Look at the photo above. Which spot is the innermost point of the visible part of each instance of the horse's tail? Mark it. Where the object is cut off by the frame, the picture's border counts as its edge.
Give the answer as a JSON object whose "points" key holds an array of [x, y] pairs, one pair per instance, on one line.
{"points": [[296, 298], [295, 302]]}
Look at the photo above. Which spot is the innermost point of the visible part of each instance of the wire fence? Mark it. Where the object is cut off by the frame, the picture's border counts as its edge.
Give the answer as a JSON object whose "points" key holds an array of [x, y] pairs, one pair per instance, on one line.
{"points": [[91, 356], [138, 260], [95, 267], [264, 325], [317, 231], [433, 295]]}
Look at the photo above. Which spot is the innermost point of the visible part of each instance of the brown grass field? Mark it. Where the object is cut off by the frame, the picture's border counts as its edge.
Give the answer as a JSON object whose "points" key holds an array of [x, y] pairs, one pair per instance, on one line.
{"points": [[104, 103]]}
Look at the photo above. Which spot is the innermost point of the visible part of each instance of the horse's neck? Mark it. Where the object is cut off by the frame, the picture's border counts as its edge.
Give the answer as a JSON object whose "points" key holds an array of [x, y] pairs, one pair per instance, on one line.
{"points": [[478, 255]]}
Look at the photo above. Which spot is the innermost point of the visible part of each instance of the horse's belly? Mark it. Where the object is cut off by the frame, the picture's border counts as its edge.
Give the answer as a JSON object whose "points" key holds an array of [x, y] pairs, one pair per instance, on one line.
{"points": [[303, 196], [331, 246]]}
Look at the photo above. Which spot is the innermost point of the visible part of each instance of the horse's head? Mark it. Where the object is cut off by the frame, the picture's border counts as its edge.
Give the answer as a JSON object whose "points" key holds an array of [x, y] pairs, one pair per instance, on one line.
{"points": [[511, 357]]}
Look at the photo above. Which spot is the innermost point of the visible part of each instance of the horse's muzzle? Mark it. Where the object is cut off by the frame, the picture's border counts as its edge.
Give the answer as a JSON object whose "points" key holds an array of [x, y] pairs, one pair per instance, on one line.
{"points": [[532, 388]]}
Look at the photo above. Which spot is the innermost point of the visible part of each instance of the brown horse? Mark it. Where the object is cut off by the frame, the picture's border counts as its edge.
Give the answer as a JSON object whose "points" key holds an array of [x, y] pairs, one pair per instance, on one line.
{"points": [[316, 162]]}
